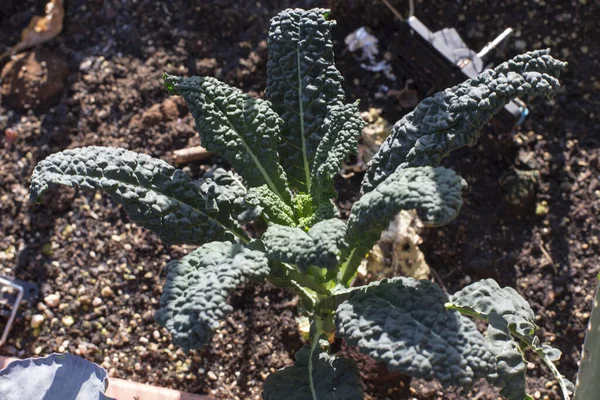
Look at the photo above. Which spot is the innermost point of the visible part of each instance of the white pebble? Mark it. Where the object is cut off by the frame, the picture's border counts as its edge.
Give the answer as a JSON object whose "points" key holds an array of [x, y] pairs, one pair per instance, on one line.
{"points": [[52, 300], [37, 320]]}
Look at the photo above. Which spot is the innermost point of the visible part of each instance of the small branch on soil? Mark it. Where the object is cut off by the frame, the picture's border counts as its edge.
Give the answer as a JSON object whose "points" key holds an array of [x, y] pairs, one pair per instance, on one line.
{"points": [[547, 255], [191, 154], [437, 279]]}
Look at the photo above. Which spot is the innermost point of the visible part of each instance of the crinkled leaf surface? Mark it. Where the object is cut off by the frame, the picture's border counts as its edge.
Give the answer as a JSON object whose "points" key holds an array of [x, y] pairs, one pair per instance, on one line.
{"points": [[314, 376], [486, 296], [271, 206], [434, 192], [242, 129], [308, 215], [155, 195], [320, 246], [195, 293], [302, 82], [57, 376], [222, 188], [225, 192], [341, 128], [505, 310], [452, 118], [324, 211], [510, 365], [404, 323]]}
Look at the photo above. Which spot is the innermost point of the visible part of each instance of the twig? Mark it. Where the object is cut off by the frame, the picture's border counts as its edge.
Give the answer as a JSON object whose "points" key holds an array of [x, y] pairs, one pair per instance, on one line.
{"points": [[190, 154], [438, 279], [545, 252], [393, 10], [578, 209]]}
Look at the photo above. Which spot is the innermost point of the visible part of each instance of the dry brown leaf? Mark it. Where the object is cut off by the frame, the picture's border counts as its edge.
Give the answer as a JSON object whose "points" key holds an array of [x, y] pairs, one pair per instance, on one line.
{"points": [[40, 28], [373, 135], [398, 252]]}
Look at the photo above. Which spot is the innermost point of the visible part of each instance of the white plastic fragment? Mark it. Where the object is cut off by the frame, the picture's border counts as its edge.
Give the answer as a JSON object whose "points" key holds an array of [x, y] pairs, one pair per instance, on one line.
{"points": [[361, 39]]}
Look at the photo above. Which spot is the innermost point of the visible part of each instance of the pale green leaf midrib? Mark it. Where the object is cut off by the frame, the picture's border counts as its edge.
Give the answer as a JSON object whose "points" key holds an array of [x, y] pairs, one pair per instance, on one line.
{"points": [[255, 159], [301, 115], [313, 347]]}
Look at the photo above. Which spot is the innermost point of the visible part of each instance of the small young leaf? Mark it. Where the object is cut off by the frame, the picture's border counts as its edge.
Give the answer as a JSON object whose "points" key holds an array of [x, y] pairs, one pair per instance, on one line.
{"points": [[302, 82], [320, 246], [341, 128], [452, 118], [403, 322], [154, 194], [307, 214], [314, 376], [434, 192], [195, 293], [57, 376], [243, 130], [272, 208]]}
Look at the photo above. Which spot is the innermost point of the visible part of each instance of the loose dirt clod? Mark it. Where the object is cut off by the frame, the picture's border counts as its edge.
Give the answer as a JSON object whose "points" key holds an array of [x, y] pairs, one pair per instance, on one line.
{"points": [[31, 80]]}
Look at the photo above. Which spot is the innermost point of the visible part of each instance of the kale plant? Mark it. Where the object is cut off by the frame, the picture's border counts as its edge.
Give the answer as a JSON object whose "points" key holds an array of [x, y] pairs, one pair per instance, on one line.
{"points": [[286, 151]]}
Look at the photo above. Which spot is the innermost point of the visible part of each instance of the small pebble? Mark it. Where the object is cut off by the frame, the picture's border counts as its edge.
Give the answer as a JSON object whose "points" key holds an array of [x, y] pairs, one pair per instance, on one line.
{"points": [[67, 320], [52, 300], [49, 314], [212, 376], [97, 301], [82, 349], [156, 335], [37, 320], [106, 291]]}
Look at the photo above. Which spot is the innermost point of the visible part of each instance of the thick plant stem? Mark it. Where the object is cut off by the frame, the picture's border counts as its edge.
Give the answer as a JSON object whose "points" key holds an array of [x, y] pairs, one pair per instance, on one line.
{"points": [[317, 330], [349, 268], [588, 377]]}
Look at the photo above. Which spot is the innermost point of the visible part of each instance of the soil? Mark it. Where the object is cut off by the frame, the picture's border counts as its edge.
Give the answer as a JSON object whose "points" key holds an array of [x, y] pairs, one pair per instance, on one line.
{"points": [[107, 273]]}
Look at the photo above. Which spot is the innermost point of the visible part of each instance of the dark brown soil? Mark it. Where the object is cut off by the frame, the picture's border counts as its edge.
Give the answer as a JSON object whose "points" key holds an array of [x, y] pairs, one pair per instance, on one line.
{"points": [[81, 246]]}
